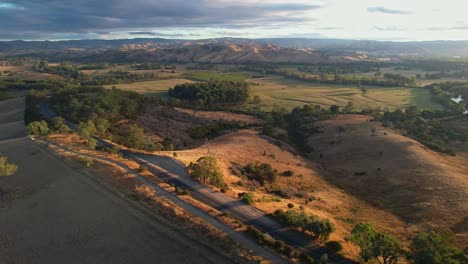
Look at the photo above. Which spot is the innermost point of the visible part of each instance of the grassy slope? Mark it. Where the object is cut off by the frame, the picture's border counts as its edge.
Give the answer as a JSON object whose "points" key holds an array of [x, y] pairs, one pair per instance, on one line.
{"points": [[422, 187], [158, 87]]}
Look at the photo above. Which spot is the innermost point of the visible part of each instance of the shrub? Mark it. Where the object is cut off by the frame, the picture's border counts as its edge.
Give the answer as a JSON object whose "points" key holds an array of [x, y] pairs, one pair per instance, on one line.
{"points": [[290, 205], [182, 191], [59, 125], [87, 161], [247, 198], [288, 173], [334, 246], [142, 169], [38, 128], [320, 228], [261, 172], [7, 169]]}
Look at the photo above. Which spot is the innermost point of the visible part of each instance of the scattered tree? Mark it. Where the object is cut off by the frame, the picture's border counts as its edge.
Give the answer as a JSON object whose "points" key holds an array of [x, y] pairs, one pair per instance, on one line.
{"points": [[435, 248], [59, 125], [206, 170], [375, 245]]}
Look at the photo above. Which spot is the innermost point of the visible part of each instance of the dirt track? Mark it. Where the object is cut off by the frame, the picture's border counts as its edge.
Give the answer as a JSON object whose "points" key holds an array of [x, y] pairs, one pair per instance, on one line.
{"points": [[50, 213]]}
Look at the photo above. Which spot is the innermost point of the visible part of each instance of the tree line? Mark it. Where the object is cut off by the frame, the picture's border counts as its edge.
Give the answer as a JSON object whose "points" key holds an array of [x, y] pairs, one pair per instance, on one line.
{"points": [[209, 94]]}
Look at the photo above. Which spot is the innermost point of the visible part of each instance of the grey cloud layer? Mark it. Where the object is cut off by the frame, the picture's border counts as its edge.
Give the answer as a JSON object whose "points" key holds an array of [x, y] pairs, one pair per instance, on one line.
{"points": [[38, 17]]}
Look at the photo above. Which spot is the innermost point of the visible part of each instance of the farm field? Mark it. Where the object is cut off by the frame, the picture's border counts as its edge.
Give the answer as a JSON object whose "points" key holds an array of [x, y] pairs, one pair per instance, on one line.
{"points": [[24, 72], [158, 87], [213, 75], [291, 93]]}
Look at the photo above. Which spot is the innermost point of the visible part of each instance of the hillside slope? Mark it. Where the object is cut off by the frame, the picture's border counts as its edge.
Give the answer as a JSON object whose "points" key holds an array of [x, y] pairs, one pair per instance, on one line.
{"points": [[394, 172]]}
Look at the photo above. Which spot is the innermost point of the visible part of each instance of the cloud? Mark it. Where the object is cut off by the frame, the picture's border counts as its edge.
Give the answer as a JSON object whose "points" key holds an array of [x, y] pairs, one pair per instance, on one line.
{"points": [[384, 10], [158, 34], [390, 28], [52, 17], [447, 28]]}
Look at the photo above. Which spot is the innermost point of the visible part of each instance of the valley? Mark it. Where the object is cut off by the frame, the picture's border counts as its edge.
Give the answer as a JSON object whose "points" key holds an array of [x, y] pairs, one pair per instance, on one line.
{"points": [[286, 150]]}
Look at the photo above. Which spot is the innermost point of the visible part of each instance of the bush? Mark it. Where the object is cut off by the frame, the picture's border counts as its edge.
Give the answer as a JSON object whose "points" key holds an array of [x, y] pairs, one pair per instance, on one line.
{"points": [[290, 205], [261, 172], [142, 169], [59, 126], [87, 161], [288, 173], [38, 128], [320, 228], [334, 246], [247, 198], [7, 169]]}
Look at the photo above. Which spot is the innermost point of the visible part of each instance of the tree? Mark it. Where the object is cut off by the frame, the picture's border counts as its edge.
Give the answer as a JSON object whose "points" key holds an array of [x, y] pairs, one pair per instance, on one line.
{"points": [[435, 248], [206, 170], [364, 90], [375, 245], [38, 128], [261, 172], [59, 125], [7, 169], [102, 125], [86, 130]]}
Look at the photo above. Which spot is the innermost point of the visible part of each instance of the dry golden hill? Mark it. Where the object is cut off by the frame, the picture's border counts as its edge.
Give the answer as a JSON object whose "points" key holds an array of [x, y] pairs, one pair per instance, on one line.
{"points": [[394, 172], [325, 200]]}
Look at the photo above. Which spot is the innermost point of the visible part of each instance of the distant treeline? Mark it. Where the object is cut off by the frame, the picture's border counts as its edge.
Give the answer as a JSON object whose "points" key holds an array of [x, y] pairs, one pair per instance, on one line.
{"points": [[443, 93], [208, 94], [387, 79], [70, 71], [421, 126]]}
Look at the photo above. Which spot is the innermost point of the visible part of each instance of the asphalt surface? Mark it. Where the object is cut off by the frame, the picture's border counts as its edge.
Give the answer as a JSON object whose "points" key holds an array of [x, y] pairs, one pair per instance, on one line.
{"points": [[173, 171]]}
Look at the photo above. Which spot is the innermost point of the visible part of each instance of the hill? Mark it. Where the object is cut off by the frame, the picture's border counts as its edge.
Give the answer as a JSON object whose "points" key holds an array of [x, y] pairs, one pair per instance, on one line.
{"points": [[333, 47], [394, 172]]}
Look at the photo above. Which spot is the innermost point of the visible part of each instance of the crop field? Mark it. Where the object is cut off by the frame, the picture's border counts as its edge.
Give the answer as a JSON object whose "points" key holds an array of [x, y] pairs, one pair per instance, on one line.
{"points": [[24, 72], [212, 75], [158, 87], [290, 93]]}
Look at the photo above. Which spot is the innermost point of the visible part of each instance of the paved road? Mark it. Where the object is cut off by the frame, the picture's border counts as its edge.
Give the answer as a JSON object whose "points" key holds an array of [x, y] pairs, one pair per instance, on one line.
{"points": [[175, 172]]}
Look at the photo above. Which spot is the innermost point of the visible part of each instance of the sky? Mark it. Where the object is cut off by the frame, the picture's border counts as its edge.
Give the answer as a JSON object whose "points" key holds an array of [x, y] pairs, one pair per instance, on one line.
{"points": [[396, 20]]}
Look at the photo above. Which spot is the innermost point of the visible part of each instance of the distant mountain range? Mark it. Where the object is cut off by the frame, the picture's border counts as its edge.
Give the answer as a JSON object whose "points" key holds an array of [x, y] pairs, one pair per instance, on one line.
{"points": [[233, 50]]}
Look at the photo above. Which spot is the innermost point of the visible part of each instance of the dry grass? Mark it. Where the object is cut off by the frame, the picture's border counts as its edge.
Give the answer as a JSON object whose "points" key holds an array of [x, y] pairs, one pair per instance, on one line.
{"points": [[222, 116], [395, 173], [290, 93], [329, 202], [24, 72], [159, 87]]}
